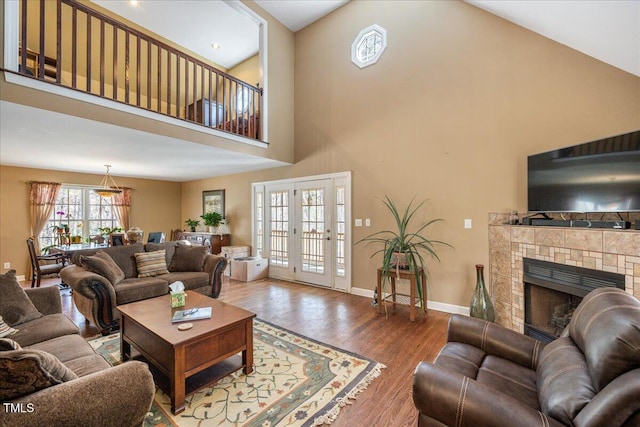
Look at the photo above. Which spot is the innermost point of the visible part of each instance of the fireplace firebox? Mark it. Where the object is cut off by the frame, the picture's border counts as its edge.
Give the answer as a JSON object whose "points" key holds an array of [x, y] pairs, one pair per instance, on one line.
{"points": [[552, 291]]}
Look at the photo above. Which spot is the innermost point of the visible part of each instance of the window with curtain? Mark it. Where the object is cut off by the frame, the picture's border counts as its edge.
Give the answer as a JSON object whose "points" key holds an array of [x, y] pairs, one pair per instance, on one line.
{"points": [[82, 212]]}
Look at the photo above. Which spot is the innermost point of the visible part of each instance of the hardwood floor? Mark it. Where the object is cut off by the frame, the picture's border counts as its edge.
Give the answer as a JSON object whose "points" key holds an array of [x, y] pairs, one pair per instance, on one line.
{"points": [[345, 321]]}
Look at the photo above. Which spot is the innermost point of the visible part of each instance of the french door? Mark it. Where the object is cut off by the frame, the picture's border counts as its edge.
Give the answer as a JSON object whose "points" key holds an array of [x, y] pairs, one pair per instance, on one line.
{"points": [[302, 226], [313, 251]]}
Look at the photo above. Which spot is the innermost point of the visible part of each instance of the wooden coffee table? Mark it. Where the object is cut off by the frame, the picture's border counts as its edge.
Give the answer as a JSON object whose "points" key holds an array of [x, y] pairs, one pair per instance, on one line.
{"points": [[146, 325]]}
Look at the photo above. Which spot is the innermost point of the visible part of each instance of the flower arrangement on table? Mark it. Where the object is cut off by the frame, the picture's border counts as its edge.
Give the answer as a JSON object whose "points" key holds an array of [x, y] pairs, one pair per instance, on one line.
{"points": [[62, 229], [77, 237]]}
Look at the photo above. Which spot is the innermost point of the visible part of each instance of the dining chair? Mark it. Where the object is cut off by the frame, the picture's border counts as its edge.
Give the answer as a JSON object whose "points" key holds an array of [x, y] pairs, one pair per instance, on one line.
{"points": [[41, 264], [156, 237], [174, 234]]}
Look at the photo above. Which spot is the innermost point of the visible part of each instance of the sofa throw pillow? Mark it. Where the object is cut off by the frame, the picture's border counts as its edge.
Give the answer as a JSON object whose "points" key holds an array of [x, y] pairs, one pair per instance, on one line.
{"points": [[23, 372], [105, 266], [7, 344], [15, 305], [6, 329], [188, 258], [151, 263]]}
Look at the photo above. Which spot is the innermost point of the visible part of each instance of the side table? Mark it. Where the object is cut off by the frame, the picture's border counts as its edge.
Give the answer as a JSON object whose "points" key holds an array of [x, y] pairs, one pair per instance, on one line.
{"points": [[404, 274]]}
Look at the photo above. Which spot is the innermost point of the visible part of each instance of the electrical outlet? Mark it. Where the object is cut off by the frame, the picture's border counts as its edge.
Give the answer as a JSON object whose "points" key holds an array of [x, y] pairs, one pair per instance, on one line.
{"points": [[467, 223], [7, 265], [367, 222]]}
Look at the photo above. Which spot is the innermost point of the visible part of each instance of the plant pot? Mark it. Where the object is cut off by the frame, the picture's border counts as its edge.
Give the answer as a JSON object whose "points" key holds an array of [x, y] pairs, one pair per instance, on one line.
{"points": [[399, 260], [193, 229]]}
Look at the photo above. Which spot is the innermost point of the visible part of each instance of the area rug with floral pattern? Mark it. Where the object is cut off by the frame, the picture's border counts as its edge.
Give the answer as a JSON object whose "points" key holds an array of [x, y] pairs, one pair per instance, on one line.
{"points": [[296, 381]]}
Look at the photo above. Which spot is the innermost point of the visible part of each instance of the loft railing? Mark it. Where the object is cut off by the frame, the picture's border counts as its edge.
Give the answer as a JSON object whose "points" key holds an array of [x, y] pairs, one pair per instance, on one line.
{"points": [[74, 46]]}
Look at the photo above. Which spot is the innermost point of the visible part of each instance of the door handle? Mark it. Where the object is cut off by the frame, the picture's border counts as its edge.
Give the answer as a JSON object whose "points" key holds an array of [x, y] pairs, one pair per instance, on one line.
{"points": [[328, 237]]}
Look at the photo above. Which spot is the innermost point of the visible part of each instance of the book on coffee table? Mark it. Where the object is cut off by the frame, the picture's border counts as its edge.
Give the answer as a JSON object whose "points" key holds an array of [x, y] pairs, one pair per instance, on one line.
{"points": [[191, 314]]}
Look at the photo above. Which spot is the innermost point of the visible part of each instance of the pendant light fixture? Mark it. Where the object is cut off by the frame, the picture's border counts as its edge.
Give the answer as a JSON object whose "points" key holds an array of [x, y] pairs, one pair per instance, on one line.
{"points": [[108, 187]]}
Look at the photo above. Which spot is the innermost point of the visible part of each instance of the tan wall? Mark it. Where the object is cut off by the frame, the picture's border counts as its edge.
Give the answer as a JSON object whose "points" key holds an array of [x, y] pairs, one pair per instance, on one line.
{"points": [[279, 87], [248, 71], [449, 113], [155, 206]]}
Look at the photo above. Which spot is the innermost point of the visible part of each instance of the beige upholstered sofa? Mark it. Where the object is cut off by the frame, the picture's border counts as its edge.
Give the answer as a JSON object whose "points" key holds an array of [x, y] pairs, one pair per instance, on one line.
{"points": [[50, 375], [115, 276], [490, 376]]}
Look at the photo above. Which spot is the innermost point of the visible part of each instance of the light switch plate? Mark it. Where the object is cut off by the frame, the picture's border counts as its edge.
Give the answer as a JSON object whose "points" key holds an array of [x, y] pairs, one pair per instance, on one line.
{"points": [[358, 222], [367, 222], [467, 223]]}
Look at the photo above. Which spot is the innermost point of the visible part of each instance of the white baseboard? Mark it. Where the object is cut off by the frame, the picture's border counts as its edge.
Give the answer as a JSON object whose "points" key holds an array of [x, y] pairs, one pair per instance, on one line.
{"points": [[432, 305], [447, 308], [367, 293]]}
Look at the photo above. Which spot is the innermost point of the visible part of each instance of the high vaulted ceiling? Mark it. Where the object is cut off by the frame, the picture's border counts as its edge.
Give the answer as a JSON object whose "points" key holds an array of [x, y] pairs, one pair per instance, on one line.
{"points": [[608, 30]]}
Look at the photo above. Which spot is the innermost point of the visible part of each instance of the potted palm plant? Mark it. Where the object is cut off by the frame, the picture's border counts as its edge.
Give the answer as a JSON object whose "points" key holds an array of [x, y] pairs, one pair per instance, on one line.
{"points": [[192, 224], [403, 248]]}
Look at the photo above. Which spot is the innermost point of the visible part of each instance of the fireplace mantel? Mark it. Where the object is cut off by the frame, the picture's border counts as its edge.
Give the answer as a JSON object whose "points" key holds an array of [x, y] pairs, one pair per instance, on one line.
{"points": [[617, 251]]}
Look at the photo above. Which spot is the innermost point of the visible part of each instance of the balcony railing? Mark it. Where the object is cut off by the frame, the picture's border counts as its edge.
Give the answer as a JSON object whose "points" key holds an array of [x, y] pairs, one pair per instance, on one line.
{"points": [[74, 46]]}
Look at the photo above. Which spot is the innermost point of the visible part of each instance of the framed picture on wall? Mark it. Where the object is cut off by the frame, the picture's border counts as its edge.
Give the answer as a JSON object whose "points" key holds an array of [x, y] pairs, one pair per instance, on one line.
{"points": [[213, 201]]}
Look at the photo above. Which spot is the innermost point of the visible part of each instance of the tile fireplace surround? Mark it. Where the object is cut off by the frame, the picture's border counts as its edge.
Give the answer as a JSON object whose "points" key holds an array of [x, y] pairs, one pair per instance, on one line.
{"points": [[617, 251]]}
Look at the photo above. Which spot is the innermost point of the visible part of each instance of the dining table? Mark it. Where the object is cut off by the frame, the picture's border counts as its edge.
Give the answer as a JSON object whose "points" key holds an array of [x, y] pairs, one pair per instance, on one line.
{"points": [[74, 250]]}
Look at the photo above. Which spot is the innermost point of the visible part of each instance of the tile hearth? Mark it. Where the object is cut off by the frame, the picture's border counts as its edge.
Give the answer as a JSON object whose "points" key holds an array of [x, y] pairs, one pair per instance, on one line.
{"points": [[616, 251]]}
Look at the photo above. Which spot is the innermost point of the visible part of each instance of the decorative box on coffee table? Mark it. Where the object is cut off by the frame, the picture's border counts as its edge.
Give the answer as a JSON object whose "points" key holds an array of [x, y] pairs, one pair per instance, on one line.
{"points": [[249, 268]]}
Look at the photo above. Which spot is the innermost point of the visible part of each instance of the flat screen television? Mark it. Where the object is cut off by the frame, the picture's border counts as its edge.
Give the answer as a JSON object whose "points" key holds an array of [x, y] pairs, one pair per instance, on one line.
{"points": [[597, 176]]}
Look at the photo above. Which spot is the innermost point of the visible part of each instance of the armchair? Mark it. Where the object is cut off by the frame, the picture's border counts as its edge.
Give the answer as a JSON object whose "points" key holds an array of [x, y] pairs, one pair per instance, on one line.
{"points": [[38, 269], [487, 375]]}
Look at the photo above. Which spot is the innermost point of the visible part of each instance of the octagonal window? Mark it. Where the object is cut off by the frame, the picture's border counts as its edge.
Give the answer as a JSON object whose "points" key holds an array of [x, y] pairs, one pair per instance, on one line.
{"points": [[368, 46]]}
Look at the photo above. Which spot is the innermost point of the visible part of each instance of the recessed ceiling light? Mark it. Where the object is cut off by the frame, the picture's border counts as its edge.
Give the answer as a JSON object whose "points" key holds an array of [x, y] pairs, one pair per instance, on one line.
{"points": [[133, 2], [215, 45]]}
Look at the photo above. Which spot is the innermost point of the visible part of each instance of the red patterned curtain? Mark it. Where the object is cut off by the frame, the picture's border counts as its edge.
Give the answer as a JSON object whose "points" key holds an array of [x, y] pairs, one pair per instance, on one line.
{"points": [[122, 206], [42, 200]]}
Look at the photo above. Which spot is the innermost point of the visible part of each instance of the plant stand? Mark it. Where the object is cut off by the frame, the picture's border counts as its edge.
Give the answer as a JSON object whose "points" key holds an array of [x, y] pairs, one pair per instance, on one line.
{"points": [[403, 274]]}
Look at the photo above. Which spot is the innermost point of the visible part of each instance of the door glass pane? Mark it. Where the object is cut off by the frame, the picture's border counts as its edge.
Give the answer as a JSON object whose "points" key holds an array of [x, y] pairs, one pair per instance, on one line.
{"points": [[313, 230], [279, 228], [340, 230], [259, 223]]}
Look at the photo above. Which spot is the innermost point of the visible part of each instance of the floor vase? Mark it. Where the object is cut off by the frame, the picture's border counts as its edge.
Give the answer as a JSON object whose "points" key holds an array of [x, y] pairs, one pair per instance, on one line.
{"points": [[481, 305]]}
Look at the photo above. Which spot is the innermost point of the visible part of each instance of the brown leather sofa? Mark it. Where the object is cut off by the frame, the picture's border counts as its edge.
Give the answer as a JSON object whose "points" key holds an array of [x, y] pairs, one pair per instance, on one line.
{"points": [[487, 375]]}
